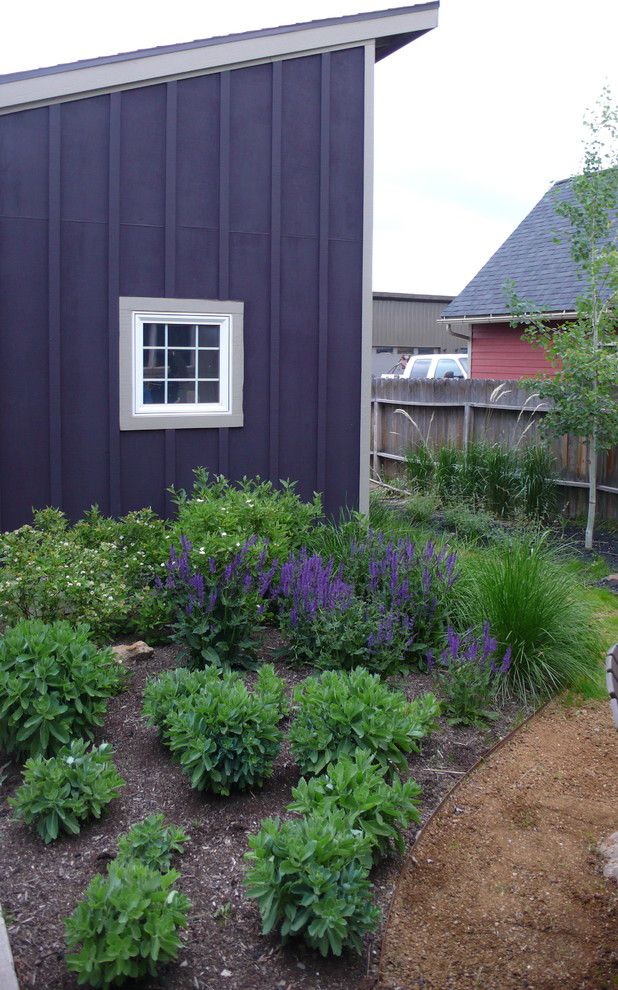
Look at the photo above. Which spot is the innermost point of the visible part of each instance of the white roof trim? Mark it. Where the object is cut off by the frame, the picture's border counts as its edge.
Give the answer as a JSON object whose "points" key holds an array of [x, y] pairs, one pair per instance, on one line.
{"points": [[145, 69], [509, 318]]}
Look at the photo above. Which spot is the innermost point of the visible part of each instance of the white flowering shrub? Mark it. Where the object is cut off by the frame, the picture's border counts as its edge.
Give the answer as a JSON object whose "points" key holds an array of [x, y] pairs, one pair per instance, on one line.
{"points": [[100, 571], [218, 517]]}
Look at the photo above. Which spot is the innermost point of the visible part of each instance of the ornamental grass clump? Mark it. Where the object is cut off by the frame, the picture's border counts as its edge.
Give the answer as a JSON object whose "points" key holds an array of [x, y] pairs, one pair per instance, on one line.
{"points": [[127, 923], [59, 794], [357, 786], [223, 736], [309, 877], [468, 672], [337, 712], [217, 611], [535, 607], [54, 686]]}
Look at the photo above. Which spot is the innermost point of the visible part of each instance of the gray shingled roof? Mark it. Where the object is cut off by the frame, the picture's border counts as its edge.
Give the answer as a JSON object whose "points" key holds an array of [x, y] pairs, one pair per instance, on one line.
{"points": [[543, 270]]}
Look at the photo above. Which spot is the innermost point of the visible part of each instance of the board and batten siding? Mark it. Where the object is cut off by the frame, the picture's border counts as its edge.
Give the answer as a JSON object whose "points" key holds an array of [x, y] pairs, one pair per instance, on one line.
{"points": [[244, 184], [499, 352]]}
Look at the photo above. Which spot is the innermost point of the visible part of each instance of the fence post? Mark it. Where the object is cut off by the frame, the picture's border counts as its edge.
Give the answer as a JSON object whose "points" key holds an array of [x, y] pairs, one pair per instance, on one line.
{"points": [[467, 424], [375, 422]]}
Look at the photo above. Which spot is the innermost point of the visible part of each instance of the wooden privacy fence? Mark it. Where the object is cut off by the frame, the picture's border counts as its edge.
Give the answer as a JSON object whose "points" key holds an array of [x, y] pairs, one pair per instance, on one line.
{"points": [[445, 411]]}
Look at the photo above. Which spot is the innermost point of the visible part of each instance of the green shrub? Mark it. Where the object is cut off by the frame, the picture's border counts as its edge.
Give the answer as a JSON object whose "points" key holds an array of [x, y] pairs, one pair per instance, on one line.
{"points": [[60, 793], [419, 508], [356, 785], [336, 713], [309, 877], [126, 925], [223, 736], [100, 571], [152, 843], [218, 516], [536, 607], [475, 526], [54, 685]]}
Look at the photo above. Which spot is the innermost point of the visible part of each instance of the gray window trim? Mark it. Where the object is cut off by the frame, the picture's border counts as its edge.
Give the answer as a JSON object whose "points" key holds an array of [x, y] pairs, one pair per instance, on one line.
{"points": [[181, 419]]}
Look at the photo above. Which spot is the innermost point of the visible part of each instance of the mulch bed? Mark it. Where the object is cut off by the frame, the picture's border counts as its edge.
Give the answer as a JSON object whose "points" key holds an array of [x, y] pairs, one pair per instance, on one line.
{"points": [[223, 947]]}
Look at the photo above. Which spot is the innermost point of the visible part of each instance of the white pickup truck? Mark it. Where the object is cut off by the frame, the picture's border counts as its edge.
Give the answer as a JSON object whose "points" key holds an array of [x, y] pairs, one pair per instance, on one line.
{"points": [[433, 366]]}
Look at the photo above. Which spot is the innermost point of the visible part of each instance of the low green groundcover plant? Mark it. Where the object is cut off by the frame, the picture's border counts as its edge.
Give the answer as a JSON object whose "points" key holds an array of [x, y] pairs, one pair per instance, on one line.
{"points": [[535, 608], [60, 793], [337, 712], [151, 842], [309, 878], [356, 785], [223, 735], [54, 686], [126, 925]]}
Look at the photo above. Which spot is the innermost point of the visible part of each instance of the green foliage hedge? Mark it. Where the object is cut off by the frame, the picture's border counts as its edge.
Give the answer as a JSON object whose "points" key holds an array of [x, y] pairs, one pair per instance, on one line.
{"points": [[54, 686]]}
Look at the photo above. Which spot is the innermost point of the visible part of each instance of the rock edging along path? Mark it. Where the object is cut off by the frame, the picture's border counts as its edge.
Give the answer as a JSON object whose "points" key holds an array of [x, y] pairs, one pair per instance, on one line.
{"points": [[503, 889]]}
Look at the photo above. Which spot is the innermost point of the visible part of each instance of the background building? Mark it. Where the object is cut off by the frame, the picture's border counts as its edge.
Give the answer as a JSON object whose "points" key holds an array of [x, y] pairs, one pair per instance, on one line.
{"points": [[407, 324]]}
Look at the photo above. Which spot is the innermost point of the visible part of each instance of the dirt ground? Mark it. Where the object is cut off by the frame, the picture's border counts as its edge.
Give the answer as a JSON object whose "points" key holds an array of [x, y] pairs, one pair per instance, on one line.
{"points": [[503, 890], [223, 948]]}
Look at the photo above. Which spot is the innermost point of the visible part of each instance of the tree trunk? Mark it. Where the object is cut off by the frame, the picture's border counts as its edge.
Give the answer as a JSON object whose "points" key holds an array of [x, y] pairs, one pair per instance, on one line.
{"points": [[592, 491]]}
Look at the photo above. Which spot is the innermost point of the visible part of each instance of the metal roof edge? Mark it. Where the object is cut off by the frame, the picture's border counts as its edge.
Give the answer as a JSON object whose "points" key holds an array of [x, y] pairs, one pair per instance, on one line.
{"points": [[89, 77], [508, 317], [414, 296]]}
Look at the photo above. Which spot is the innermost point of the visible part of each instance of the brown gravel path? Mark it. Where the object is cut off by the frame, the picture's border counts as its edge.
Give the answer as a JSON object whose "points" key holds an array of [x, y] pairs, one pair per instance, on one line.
{"points": [[503, 890]]}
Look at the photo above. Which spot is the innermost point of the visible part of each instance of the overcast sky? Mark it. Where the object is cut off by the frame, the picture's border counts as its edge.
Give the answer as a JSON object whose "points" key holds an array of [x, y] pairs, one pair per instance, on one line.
{"points": [[473, 121]]}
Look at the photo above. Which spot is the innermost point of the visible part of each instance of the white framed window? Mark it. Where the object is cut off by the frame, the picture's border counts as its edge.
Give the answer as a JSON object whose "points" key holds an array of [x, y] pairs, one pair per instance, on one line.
{"points": [[181, 363]]}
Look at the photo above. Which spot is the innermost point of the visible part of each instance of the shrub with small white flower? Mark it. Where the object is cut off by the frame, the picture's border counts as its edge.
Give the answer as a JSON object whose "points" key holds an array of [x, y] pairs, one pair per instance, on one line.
{"points": [[218, 516], [100, 571]]}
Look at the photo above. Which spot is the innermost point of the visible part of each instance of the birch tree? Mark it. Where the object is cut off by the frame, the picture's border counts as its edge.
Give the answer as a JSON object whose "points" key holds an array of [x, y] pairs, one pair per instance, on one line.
{"points": [[583, 353]]}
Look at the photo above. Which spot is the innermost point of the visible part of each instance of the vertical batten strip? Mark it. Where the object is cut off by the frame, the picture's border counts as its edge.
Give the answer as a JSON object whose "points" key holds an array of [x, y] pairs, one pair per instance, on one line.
{"points": [[224, 228], [171, 123], [113, 290], [53, 271], [322, 396], [367, 306], [275, 270]]}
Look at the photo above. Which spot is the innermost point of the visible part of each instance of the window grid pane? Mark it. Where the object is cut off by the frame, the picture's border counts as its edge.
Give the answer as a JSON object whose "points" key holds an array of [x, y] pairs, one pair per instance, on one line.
{"points": [[173, 347]]}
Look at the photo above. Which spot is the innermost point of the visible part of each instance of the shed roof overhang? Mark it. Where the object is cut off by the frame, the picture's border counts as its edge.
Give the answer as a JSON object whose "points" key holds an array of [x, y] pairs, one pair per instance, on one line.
{"points": [[389, 29]]}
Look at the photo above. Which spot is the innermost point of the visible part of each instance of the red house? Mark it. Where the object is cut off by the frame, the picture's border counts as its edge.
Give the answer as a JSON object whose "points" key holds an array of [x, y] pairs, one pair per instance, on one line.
{"points": [[536, 257]]}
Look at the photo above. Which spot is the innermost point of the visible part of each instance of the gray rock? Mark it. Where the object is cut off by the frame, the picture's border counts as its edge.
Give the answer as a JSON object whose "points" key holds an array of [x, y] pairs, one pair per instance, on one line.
{"points": [[608, 849], [132, 651]]}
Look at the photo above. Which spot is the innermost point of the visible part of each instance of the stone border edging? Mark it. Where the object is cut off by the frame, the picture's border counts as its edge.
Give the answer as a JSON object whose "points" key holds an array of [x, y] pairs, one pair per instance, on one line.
{"points": [[8, 978], [481, 760]]}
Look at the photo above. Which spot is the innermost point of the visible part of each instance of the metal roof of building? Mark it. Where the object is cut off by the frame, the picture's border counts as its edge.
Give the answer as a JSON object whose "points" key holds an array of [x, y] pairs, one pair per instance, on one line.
{"points": [[536, 257], [391, 29]]}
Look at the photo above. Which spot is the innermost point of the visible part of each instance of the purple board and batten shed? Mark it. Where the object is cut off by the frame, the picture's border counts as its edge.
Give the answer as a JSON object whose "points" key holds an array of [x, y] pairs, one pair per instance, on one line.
{"points": [[177, 174]]}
